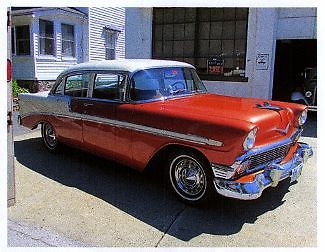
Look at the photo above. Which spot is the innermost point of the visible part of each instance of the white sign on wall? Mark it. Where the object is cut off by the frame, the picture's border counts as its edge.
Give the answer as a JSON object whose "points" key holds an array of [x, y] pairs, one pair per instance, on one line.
{"points": [[262, 61]]}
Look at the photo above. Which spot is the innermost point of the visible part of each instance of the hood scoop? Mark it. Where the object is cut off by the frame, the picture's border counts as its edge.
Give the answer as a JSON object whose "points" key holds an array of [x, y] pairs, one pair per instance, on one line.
{"points": [[269, 106]]}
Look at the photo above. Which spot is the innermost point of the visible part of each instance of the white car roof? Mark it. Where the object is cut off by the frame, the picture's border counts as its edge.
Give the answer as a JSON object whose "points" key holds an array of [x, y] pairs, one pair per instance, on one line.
{"points": [[127, 65]]}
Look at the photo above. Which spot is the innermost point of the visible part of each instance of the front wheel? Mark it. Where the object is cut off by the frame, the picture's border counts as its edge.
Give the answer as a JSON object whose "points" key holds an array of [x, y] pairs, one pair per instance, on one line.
{"points": [[189, 177], [49, 137]]}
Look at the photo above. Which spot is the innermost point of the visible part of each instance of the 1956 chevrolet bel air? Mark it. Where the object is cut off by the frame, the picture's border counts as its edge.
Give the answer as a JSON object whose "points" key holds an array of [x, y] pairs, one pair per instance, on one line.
{"points": [[137, 111]]}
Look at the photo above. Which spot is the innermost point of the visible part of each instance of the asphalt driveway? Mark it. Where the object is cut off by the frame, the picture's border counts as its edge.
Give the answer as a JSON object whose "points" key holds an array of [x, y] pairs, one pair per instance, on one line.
{"points": [[98, 202]]}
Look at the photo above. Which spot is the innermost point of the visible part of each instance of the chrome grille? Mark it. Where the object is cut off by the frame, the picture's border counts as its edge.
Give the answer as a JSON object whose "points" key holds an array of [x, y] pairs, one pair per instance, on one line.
{"points": [[268, 156]]}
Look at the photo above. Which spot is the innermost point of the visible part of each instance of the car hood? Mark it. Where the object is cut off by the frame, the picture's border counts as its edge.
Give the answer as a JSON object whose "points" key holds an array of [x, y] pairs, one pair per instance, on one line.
{"points": [[272, 118]]}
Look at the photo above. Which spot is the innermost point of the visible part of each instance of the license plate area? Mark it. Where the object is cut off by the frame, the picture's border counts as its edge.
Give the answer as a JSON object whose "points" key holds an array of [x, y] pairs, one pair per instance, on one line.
{"points": [[295, 173]]}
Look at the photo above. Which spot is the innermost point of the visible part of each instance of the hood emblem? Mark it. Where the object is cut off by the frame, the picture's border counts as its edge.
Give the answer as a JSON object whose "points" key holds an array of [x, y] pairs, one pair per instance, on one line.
{"points": [[284, 131], [267, 105]]}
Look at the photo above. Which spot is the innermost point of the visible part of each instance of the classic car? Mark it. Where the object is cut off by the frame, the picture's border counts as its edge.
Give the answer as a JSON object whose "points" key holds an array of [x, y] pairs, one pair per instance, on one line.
{"points": [[306, 92], [138, 111]]}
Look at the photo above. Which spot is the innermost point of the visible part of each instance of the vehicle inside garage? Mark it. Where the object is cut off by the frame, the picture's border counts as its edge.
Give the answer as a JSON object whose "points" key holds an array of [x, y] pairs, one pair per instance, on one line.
{"points": [[293, 57]]}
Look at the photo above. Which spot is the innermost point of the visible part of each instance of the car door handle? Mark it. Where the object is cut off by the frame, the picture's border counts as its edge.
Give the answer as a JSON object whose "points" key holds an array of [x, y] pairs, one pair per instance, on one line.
{"points": [[88, 104]]}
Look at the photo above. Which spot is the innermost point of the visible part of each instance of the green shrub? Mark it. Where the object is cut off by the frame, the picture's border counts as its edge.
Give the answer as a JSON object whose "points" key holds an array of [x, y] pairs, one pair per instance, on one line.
{"points": [[16, 89]]}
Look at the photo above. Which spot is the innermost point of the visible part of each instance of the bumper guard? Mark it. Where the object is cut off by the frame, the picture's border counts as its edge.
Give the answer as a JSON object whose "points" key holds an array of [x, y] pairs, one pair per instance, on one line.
{"points": [[271, 176]]}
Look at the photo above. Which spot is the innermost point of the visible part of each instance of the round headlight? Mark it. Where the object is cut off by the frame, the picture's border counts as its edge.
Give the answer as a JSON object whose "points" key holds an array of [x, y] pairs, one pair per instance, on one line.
{"points": [[250, 139], [302, 118]]}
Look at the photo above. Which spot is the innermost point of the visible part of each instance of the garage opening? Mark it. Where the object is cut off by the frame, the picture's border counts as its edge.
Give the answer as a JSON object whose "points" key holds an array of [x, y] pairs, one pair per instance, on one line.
{"points": [[292, 59]]}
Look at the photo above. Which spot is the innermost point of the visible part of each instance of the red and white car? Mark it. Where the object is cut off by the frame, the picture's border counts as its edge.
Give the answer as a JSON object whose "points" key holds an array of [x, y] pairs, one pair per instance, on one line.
{"points": [[137, 111]]}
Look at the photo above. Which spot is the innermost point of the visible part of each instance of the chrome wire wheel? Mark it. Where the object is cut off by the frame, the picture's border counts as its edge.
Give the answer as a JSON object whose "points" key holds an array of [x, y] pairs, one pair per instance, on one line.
{"points": [[188, 178], [49, 137]]}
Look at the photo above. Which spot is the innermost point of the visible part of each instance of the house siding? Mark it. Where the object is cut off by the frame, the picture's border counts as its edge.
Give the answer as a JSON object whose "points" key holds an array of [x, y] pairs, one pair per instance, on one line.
{"points": [[98, 19], [23, 66], [89, 39], [49, 67]]}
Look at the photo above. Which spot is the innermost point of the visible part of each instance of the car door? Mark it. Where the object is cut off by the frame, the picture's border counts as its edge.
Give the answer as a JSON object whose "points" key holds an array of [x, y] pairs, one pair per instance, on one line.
{"points": [[68, 121], [101, 121]]}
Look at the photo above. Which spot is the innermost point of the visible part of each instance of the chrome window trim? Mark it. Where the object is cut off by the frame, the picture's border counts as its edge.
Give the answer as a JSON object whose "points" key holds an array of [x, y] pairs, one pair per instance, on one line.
{"points": [[142, 128], [91, 84], [129, 75], [102, 100], [65, 75]]}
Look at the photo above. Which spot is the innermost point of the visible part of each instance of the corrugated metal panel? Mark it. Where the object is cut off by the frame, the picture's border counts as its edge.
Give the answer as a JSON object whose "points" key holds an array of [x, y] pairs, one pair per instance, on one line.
{"points": [[98, 19]]}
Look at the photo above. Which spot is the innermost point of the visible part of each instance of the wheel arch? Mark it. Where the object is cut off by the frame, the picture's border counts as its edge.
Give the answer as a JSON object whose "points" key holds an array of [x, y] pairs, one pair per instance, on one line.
{"points": [[164, 152]]}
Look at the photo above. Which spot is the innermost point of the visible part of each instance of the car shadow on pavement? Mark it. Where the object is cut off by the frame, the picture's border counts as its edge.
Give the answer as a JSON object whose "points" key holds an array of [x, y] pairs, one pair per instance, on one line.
{"points": [[145, 197]]}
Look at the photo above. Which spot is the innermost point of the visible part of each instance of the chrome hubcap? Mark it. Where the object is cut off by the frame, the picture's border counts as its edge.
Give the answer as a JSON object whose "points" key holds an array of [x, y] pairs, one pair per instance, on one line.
{"points": [[49, 135], [189, 177]]}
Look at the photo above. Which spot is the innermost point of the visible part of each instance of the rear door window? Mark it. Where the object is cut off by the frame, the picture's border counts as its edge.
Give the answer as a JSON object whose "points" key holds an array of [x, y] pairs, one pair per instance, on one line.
{"points": [[60, 88]]}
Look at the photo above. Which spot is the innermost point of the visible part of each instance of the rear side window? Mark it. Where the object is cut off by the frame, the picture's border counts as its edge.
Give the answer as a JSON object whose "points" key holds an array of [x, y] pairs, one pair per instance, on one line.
{"points": [[77, 85], [59, 88]]}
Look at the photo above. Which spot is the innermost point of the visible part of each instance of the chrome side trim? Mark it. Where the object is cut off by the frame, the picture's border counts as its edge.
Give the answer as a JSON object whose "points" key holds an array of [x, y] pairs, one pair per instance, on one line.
{"points": [[142, 128]]}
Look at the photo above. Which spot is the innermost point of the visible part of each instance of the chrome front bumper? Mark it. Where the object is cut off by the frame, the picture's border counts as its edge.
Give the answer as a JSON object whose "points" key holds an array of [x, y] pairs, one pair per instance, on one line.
{"points": [[271, 176]]}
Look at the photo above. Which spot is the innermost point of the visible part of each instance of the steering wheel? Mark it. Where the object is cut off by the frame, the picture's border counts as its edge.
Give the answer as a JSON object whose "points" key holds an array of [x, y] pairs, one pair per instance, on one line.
{"points": [[178, 85]]}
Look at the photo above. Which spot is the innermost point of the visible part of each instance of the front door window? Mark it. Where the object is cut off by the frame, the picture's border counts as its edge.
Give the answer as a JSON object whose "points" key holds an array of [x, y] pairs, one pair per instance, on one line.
{"points": [[110, 86], [77, 85]]}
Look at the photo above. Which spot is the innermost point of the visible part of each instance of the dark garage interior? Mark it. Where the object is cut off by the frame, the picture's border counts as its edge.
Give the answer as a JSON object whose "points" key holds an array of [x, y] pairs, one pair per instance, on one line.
{"points": [[291, 58]]}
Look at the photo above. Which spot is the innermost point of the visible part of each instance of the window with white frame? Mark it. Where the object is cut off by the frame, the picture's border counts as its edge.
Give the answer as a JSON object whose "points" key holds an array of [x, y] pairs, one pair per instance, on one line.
{"points": [[110, 44], [46, 37], [68, 41], [20, 40]]}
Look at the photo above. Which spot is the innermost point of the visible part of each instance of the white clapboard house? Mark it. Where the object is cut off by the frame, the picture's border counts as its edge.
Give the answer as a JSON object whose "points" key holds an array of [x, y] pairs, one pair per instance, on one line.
{"points": [[45, 41]]}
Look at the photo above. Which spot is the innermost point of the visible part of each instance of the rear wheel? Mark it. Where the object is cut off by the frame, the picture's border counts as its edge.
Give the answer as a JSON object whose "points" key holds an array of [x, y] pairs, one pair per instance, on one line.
{"points": [[49, 137], [189, 177]]}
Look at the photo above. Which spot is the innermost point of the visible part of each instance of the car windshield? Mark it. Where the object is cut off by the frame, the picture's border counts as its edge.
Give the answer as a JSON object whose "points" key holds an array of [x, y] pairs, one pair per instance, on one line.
{"points": [[165, 82]]}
